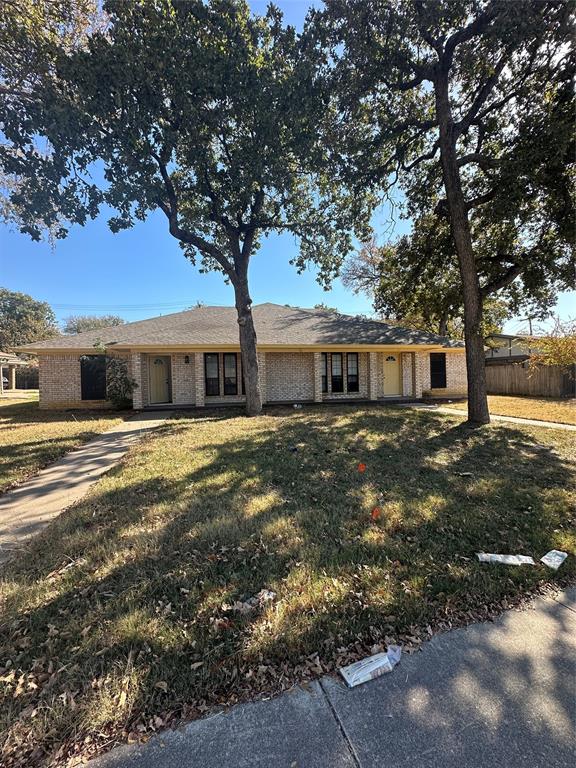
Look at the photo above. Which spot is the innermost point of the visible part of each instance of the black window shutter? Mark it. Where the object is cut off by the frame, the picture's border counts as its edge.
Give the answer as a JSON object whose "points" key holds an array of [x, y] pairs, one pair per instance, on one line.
{"points": [[93, 377], [437, 370]]}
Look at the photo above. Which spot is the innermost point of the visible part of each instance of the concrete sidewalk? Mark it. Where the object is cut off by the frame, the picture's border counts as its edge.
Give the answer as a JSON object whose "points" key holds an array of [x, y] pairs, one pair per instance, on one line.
{"points": [[499, 693], [493, 417], [27, 509]]}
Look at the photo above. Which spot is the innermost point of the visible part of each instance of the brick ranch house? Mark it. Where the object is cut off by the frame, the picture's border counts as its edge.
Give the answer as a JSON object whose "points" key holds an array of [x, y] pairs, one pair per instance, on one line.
{"points": [[193, 358]]}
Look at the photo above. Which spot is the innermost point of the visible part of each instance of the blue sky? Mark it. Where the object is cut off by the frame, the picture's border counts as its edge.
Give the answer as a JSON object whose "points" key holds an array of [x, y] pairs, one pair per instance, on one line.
{"points": [[142, 273]]}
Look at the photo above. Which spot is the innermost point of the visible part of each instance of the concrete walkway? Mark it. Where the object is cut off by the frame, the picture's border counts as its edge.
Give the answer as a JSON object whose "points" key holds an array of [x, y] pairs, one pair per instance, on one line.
{"points": [[31, 506], [494, 417], [500, 693]]}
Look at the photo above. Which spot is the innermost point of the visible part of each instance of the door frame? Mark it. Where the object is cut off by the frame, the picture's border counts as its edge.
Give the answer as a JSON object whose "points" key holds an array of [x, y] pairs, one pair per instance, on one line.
{"points": [[150, 364], [399, 369]]}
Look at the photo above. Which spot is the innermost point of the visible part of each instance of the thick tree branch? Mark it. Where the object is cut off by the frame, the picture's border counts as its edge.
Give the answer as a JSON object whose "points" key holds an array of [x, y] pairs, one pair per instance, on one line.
{"points": [[480, 200], [170, 209], [473, 29], [501, 282], [463, 125], [486, 163]]}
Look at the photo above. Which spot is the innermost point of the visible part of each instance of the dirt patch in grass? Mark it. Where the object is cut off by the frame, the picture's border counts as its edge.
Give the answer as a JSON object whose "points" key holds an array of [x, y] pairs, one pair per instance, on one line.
{"points": [[123, 618], [30, 439], [562, 410]]}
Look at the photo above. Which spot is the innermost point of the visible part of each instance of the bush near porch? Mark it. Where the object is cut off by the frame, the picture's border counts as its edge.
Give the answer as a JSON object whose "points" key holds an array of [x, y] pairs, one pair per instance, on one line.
{"points": [[126, 615]]}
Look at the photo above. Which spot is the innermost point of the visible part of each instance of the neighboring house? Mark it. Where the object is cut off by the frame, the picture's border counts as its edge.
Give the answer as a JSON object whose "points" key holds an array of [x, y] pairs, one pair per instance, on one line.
{"points": [[305, 355], [506, 348], [8, 364], [508, 371]]}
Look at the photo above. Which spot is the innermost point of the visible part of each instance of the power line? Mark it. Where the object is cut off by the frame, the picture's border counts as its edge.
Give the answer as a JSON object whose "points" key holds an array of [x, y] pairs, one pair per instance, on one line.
{"points": [[123, 307]]}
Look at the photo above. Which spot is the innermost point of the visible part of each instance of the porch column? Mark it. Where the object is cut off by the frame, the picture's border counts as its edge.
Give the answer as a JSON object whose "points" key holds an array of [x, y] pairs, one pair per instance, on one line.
{"points": [[262, 375], [372, 375], [420, 359], [136, 370], [199, 379], [12, 377], [317, 377]]}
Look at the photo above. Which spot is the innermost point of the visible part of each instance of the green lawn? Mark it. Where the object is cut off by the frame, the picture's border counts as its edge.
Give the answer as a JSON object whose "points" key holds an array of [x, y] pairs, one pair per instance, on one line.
{"points": [[31, 439], [125, 614]]}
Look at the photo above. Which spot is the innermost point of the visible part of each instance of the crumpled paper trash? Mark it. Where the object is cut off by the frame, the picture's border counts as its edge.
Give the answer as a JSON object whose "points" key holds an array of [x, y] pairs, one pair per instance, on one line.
{"points": [[554, 559], [371, 667], [485, 557]]}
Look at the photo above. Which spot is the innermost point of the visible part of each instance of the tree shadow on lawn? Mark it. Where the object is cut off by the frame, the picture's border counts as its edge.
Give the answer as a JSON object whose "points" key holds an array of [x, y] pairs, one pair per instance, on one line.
{"points": [[217, 507]]}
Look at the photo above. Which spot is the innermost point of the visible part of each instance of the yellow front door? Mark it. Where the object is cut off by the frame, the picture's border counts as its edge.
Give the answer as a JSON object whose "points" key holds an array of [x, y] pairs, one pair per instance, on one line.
{"points": [[392, 382], [159, 379]]}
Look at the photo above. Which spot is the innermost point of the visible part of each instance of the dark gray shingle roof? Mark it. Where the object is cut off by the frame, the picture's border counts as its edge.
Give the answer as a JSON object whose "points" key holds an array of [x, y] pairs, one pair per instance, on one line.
{"points": [[275, 325]]}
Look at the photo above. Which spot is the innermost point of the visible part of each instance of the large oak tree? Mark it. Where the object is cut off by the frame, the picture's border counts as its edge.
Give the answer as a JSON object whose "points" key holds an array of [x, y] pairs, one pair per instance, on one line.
{"points": [[205, 112], [468, 106]]}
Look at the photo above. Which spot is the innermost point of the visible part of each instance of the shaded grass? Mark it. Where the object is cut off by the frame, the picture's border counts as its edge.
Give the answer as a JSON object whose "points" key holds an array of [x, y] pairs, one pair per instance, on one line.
{"points": [[117, 619], [30, 439], [560, 409]]}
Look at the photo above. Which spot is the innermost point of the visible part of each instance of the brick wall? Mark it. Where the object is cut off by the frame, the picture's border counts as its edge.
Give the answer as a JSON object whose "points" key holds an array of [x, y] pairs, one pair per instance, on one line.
{"points": [[284, 377], [456, 375], [59, 382], [183, 379], [289, 376]]}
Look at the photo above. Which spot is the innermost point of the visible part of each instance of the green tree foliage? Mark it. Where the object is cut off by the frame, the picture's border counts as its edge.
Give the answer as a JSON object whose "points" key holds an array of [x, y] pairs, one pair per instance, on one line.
{"points": [[207, 113], [32, 34], [468, 106], [24, 319], [81, 323], [416, 281]]}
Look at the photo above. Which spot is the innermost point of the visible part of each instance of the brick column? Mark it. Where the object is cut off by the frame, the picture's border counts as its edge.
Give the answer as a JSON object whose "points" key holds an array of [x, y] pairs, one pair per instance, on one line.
{"points": [[317, 377], [199, 379], [420, 360], [136, 372], [407, 363], [12, 377], [372, 375], [262, 375]]}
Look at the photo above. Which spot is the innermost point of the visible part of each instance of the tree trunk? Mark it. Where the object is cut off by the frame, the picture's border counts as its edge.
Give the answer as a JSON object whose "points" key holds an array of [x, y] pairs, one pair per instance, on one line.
{"points": [[460, 226], [443, 326], [248, 347]]}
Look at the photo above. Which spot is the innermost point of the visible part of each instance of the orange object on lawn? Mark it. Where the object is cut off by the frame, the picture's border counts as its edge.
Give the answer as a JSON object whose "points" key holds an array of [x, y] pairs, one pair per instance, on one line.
{"points": [[361, 467], [375, 514]]}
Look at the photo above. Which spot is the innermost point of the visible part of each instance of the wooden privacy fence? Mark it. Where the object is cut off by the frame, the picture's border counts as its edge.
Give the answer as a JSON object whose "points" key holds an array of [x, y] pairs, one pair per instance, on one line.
{"points": [[515, 379]]}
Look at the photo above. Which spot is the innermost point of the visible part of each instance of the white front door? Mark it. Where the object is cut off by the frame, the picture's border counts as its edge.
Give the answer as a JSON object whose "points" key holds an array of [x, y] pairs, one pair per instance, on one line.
{"points": [[159, 373], [392, 379]]}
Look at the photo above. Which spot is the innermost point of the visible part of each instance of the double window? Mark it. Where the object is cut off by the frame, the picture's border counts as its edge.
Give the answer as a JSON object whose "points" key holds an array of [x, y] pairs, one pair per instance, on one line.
{"points": [[338, 382], [213, 371], [93, 377]]}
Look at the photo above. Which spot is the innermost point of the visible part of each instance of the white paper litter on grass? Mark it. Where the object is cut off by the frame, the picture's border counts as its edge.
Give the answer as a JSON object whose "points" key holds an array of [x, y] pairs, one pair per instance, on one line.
{"points": [[554, 558], [485, 557], [372, 667]]}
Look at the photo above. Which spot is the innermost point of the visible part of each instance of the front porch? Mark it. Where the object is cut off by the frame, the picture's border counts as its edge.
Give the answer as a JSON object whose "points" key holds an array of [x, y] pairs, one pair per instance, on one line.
{"points": [[202, 379]]}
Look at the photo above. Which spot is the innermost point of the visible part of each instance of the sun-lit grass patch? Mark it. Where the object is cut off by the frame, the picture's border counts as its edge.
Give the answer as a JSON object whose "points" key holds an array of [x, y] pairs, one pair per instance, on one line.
{"points": [[30, 439], [139, 605], [560, 409]]}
